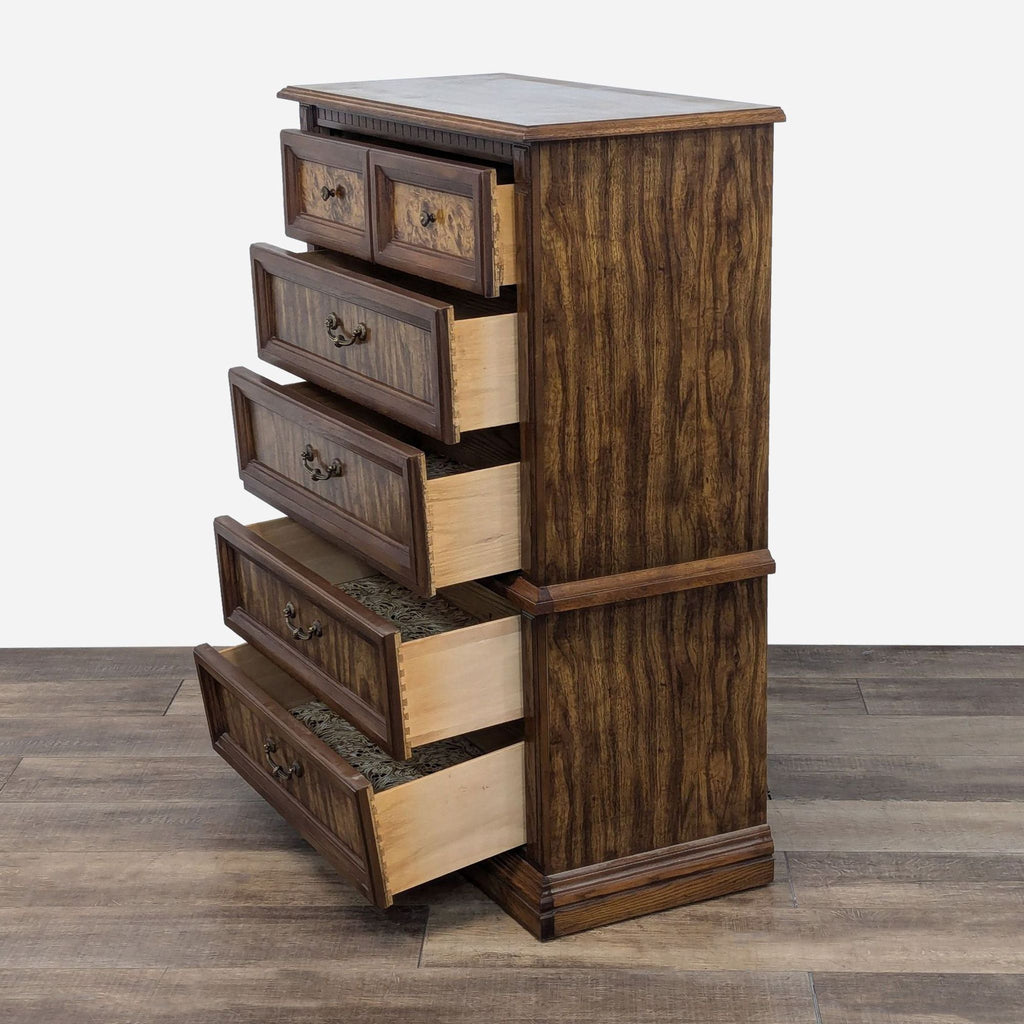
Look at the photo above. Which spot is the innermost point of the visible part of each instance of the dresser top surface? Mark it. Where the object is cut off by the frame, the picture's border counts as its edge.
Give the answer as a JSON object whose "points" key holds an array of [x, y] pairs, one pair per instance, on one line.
{"points": [[519, 108]]}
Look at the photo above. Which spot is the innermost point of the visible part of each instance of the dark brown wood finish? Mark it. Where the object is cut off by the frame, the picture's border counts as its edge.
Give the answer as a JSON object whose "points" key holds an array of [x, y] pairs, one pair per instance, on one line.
{"points": [[518, 108], [641, 254], [645, 719], [376, 506], [629, 586], [573, 901], [326, 120], [353, 667], [670, 337], [339, 217], [456, 244], [328, 804], [346, 473], [401, 361], [688, 760]]}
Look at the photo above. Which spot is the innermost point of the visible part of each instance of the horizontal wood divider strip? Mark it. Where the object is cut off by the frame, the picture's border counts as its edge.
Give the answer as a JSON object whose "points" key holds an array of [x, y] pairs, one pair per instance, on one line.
{"points": [[628, 586]]}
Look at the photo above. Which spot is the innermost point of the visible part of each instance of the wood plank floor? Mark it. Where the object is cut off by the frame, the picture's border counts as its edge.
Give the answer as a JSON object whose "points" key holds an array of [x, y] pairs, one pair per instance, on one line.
{"points": [[141, 880]]}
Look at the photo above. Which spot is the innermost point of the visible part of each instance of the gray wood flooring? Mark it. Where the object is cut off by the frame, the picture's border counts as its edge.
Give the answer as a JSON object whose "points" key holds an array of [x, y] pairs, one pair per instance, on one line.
{"points": [[141, 880]]}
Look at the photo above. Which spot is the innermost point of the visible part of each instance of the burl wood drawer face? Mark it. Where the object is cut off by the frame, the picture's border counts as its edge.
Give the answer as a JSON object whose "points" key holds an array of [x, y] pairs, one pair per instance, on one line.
{"points": [[401, 694], [441, 362], [326, 193], [329, 464], [384, 842], [441, 219]]}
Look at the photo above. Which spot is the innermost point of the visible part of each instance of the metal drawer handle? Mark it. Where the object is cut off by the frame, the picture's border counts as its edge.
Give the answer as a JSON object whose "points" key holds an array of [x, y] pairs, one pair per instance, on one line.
{"points": [[278, 770], [336, 331], [327, 193], [297, 632], [427, 218], [315, 472]]}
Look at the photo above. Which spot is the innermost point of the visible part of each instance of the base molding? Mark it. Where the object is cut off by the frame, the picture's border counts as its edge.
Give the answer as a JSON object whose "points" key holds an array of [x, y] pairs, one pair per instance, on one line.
{"points": [[550, 906]]}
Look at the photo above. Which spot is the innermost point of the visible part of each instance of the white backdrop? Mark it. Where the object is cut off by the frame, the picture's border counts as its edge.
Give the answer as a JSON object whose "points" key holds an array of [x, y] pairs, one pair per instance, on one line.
{"points": [[141, 159]]}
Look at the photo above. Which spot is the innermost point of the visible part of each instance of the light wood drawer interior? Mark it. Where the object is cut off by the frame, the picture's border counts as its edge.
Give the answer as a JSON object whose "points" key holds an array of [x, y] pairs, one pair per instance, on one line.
{"points": [[432, 357], [337, 626], [348, 474], [386, 840]]}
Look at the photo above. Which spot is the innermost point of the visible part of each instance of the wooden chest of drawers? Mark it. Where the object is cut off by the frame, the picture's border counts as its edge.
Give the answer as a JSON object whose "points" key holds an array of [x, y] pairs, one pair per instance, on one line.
{"points": [[514, 621]]}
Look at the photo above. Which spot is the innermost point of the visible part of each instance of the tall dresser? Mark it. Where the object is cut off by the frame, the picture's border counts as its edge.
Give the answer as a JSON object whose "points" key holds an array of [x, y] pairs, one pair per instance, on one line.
{"points": [[513, 618]]}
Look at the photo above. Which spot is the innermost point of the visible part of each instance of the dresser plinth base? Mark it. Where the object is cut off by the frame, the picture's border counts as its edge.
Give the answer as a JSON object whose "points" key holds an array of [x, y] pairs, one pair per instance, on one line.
{"points": [[550, 906]]}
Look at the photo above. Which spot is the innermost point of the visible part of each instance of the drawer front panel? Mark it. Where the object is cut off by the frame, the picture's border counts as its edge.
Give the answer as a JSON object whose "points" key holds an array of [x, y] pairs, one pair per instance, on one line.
{"points": [[435, 218], [313, 788], [369, 491], [452, 220], [374, 496], [366, 340], [349, 662], [326, 192]]}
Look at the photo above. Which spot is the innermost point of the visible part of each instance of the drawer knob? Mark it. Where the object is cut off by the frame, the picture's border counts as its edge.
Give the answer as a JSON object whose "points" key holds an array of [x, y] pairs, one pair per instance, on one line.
{"points": [[427, 218], [315, 472], [327, 193], [297, 632], [278, 770], [336, 331]]}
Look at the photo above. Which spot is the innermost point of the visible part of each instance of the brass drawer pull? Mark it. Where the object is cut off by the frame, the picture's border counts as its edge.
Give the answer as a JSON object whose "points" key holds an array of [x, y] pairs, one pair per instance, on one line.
{"points": [[278, 770], [327, 193], [427, 218], [315, 472], [336, 331], [297, 632]]}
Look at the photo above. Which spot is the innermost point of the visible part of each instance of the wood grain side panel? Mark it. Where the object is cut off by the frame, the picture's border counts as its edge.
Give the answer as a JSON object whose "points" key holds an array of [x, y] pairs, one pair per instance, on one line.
{"points": [[688, 760], [651, 306]]}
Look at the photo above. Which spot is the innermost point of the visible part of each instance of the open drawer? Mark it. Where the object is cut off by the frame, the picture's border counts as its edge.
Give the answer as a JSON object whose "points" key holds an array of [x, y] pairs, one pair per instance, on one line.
{"points": [[435, 358], [385, 836], [405, 670], [443, 219], [427, 520]]}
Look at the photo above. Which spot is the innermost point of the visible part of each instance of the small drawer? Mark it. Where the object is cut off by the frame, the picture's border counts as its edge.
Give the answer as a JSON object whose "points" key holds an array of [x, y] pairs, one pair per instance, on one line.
{"points": [[385, 836], [442, 219], [436, 359], [309, 607], [342, 471], [326, 192]]}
